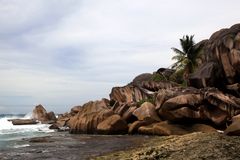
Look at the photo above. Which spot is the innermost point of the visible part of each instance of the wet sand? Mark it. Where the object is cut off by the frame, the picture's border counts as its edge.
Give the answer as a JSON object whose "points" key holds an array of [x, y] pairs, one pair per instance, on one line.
{"points": [[64, 146]]}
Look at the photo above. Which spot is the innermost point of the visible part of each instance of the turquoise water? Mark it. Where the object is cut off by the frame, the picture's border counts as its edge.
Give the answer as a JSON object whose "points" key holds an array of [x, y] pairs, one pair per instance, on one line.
{"points": [[11, 135]]}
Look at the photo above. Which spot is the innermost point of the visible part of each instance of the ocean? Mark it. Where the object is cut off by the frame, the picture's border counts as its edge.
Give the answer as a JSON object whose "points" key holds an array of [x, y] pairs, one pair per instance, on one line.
{"points": [[11, 135], [15, 142]]}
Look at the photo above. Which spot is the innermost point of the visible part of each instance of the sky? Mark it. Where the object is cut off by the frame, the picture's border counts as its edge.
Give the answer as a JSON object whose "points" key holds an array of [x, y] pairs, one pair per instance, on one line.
{"points": [[62, 53]]}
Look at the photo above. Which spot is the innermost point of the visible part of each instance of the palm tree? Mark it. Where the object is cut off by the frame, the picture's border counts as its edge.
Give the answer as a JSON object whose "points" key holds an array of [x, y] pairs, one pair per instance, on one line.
{"points": [[187, 57]]}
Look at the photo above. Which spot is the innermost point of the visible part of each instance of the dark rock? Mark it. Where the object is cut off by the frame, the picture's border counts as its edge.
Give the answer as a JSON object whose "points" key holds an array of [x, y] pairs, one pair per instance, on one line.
{"points": [[40, 140], [206, 75], [54, 126], [166, 72], [23, 121], [234, 128]]}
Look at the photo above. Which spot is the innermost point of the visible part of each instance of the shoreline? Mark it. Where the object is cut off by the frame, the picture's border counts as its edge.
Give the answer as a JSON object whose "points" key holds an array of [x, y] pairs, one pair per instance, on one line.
{"points": [[62, 145]]}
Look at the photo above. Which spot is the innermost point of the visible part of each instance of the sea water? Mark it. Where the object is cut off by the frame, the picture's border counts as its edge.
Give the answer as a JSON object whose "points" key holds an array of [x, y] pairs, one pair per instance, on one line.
{"points": [[11, 135]]}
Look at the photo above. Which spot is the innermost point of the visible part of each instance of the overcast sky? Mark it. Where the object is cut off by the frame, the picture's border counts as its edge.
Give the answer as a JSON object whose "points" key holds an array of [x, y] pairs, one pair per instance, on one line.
{"points": [[62, 53]]}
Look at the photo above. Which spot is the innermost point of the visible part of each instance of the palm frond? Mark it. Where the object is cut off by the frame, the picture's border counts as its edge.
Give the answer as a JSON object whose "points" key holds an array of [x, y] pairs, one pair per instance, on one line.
{"points": [[178, 51]]}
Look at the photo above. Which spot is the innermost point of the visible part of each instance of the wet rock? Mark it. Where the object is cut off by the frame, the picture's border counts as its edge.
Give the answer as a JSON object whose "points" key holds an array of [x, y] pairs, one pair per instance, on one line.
{"points": [[23, 121], [89, 116], [51, 116], [112, 125], [40, 140], [54, 126]]}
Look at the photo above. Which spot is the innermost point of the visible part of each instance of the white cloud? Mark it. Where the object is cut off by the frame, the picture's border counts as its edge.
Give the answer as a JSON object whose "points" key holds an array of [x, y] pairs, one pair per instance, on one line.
{"points": [[60, 52]]}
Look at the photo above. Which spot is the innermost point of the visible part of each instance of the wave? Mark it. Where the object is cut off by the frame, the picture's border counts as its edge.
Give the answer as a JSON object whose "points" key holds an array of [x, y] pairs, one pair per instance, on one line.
{"points": [[6, 127]]}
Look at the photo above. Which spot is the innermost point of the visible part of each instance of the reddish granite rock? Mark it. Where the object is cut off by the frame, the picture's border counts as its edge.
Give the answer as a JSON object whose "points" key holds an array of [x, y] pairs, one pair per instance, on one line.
{"points": [[89, 116], [40, 114], [127, 94], [112, 125], [125, 111], [133, 127], [222, 49], [181, 107], [146, 112], [75, 110], [165, 129]]}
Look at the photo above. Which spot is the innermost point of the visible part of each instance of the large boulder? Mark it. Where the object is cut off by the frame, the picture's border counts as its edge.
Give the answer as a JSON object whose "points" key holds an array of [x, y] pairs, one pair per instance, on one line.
{"points": [[89, 116], [127, 94], [113, 125], [125, 111], [146, 112], [196, 104], [133, 127], [185, 106], [39, 113], [222, 49], [206, 75], [155, 86]]}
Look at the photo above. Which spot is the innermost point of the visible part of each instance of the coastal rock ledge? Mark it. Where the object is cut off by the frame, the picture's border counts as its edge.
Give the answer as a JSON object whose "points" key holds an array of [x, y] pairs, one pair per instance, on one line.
{"points": [[162, 107]]}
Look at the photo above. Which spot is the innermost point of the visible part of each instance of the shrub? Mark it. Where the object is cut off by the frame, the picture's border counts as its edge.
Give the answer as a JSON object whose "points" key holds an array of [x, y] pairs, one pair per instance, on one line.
{"points": [[156, 77], [151, 100]]}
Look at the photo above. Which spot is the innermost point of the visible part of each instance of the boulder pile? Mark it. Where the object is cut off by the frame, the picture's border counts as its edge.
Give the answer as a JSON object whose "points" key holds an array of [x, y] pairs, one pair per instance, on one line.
{"points": [[211, 102]]}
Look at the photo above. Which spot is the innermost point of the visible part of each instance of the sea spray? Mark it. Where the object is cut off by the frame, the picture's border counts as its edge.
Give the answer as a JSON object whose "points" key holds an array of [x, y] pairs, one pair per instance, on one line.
{"points": [[10, 134]]}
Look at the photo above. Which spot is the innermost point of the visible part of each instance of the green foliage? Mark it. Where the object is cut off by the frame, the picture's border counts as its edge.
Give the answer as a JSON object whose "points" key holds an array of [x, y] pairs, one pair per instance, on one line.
{"points": [[151, 100], [156, 77], [187, 57], [177, 76]]}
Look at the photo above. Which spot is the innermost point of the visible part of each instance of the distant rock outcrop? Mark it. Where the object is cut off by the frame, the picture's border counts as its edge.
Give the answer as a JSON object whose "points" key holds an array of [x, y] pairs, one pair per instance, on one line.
{"points": [[39, 113]]}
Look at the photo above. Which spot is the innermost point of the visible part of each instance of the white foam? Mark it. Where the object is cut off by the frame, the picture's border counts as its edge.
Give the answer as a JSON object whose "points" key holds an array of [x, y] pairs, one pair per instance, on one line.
{"points": [[21, 146], [6, 127], [28, 116]]}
